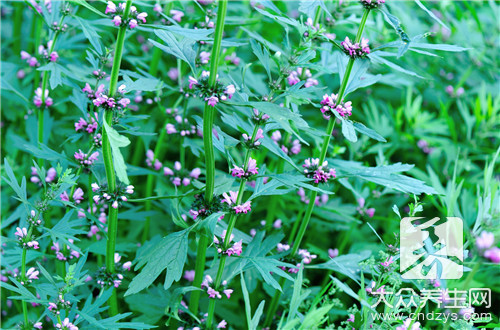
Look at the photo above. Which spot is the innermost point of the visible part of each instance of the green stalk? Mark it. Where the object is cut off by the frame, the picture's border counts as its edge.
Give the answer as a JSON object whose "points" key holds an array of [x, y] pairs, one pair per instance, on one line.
{"points": [[229, 231], [23, 274], [16, 31], [108, 159], [208, 122], [37, 35], [324, 150]]}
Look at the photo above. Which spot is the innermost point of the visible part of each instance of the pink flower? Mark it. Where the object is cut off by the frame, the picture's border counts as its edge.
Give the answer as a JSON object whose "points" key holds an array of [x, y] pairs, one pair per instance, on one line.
{"points": [[222, 324], [244, 208], [387, 262], [167, 171], [78, 195], [406, 325], [32, 62], [21, 233], [157, 8], [493, 254], [351, 318], [176, 15], [32, 274], [110, 8], [117, 20], [142, 17], [189, 275], [204, 57], [176, 181], [195, 173], [213, 294], [192, 82], [212, 100], [170, 129], [277, 224], [173, 73], [38, 325], [53, 57], [332, 253], [228, 293], [229, 91], [25, 55], [485, 240], [127, 265], [132, 24]]}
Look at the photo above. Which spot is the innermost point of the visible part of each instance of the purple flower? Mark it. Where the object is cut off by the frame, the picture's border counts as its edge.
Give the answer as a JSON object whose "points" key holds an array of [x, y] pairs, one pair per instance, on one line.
{"points": [[493, 254], [387, 262], [192, 82], [333, 253], [195, 173], [176, 15], [110, 8], [53, 57], [173, 74], [204, 57], [485, 240], [21, 232], [222, 324], [189, 275], [117, 20], [142, 17], [132, 24], [32, 274], [229, 91], [212, 100]]}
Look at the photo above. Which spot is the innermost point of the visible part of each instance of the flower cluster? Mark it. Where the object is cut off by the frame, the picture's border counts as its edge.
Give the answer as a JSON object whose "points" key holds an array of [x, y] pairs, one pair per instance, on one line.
{"points": [[64, 252], [179, 176], [35, 178], [300, 74], [212, 293], [290, 147], [43, 52], [85, 159], [331, 103], [77, 196], [211, 95], [371, 289], [484, 244], [319, 201], [259, 118], [31, 60], [253, 142], [319, 173], [37, 99], [386, 265], [356, 50], [26, 240], [372, 4], [363, 210], [180, 125], [116, 12], [232, 200], [100, 98], [60, 304], [98, 140], [236, 248], [33, 219], [202, 209], [31, 274], [245, 173], [66, 325], [105, 278], [115, 199], [303, 256], [424, 146], [89, 126], [151, 161]]}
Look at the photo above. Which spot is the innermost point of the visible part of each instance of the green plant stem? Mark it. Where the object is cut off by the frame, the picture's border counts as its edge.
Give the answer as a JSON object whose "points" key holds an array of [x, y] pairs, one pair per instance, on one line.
{"points": [[324, 149], [37, 36], [16, 31], [208, 121], [108, 159], [229, 231], [23, 275]]}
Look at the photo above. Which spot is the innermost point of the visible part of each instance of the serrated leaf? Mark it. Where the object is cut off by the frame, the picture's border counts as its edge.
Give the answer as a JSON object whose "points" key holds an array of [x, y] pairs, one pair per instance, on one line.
{"points": [[116, 142], [182, 49], [11, 180], [263, 56], [368, 132], [170, 254], [91, 34], [348, 130]]}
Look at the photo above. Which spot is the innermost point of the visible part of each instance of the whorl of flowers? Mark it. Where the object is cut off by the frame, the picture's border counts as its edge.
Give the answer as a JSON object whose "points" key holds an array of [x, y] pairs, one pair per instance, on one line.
{"points": [[60, 304], [235, 248], [86, 159], [100, 98], [105, 278], [77, 196], [35, 178], [179, 176], [372, 4], [37, 99], [319, 201], [31, 274], [213, 95], [64, 252], [290, 147], [114, 199], [231, 200], [116, 13], [259, 118], [200, 208], [253, 142], [303, 256], [43, 51], [212, 293], [319, 173], [33, 219], [245, 173], [180, 125], [90, 125], [66, 324], [300, 74], [26, 240], [152, 161], [356, 50], [98, 140], [331, 103]]}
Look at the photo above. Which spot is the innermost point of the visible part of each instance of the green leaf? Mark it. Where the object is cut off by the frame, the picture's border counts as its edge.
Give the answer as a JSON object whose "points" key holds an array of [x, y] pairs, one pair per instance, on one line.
{"points": [[66, 229], [309, 7], [344, 287], [183, 49], [117, 141], [263, 56], [377, 57], [267, 266], [280, 19], [297, 296], [55, 74], [193, 34], [91, 34], [383, 175], [315, 317], [170, 254], [443, 47], [431, 14], [146, 84], [348, 130], [347, 264], [89, 7], [11, 180], [368, 132]]}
